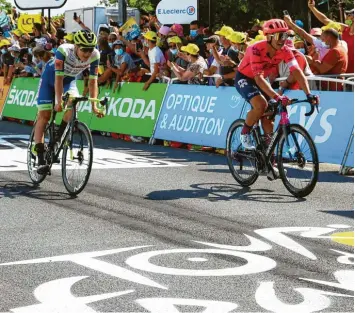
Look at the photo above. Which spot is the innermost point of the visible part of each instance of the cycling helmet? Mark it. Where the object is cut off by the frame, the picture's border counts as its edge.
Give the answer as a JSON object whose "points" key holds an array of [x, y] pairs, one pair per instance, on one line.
{"points": [[274, 26], [85, 38]]}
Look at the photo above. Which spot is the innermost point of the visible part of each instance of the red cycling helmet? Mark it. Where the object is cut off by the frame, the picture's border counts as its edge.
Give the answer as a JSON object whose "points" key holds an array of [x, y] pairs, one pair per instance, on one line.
{"points": [[274, 26]]}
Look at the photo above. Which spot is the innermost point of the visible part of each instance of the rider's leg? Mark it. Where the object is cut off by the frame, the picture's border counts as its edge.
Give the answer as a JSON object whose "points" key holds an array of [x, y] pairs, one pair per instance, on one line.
{"points": [[42, 120]]}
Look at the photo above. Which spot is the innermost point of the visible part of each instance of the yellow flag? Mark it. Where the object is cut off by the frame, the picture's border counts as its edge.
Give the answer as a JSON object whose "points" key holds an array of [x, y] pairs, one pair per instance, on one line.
{"points": [[25, 22]]}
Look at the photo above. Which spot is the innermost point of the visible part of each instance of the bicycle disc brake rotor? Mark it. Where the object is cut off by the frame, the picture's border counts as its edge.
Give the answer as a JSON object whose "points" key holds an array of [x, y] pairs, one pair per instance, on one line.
{"points": [[301, 160]]}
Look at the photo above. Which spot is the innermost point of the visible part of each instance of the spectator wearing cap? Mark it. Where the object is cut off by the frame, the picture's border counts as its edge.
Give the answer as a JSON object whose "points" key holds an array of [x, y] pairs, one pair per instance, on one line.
{"points": [[346, 29], [43, 54], [17, 34], [37, 32], [155, 61], [178, 30], [196, 38], [111, 39], [7, 60], [175, 45], [239, 43], [123, 62], [15, 53], [229, 56], [194, 71], [162, 37], [335, 61], [214, 48], [69, 38], [284, 71]]}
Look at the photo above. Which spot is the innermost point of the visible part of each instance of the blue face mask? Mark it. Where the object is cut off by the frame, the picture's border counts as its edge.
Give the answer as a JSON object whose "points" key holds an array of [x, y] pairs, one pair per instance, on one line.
{"points": [[302, 50], [174, 51], [3, 51], [110, 44], [54, 50], [30, 50], [193, 32], [119, 51]]}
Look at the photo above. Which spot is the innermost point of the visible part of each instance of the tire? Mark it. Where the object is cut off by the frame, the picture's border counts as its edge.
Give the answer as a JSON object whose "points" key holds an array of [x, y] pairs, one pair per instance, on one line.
{"points": [[302, 161], [32, 159], [248, 181], [81, 131]]}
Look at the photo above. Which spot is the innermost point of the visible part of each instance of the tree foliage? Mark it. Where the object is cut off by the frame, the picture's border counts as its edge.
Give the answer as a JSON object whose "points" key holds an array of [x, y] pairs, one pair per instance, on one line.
{"points": [[241, 14], [5, 5]]}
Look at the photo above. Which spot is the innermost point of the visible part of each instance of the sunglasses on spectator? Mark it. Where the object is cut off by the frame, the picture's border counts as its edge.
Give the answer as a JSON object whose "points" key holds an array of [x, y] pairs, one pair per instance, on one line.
{"points": [[86, 50], [280, 36]]}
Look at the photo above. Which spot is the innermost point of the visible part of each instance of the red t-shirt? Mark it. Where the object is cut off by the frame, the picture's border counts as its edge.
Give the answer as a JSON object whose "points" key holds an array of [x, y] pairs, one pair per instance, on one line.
{"points": [[338, 58], [256, 60], [349, 39]]}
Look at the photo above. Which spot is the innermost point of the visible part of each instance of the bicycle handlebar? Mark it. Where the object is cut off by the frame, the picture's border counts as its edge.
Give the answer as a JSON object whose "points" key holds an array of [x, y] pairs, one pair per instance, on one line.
{"points": [[103, 103], [275, 106]]}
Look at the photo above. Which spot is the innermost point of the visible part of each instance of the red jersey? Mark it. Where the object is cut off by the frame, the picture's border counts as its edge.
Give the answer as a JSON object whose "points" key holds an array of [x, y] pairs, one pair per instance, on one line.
{"points": [[256, 60], [349, 39]]}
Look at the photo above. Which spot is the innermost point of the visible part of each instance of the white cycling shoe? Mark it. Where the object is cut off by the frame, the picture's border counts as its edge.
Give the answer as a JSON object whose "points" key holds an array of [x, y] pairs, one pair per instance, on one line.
{"points": [[247, 142]]}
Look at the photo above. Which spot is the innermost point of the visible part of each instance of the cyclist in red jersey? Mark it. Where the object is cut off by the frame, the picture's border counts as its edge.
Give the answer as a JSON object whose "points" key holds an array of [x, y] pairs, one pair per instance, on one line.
{"points": [[262, 59]]}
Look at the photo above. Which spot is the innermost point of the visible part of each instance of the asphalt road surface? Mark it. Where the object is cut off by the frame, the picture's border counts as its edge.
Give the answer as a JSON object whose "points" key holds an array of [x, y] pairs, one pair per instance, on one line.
{"points": [[164, 230]]}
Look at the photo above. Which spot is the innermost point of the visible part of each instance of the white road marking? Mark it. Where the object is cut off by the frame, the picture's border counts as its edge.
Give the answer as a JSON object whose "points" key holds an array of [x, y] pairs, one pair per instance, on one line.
{"points": [[13, 157]]}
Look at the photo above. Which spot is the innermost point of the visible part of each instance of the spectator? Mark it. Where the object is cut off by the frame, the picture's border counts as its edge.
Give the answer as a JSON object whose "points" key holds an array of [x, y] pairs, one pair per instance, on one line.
{"points": [[214, 48], [194, 70], [111, 39], [239, 43], [175, 44], [284, 71], [69, 38], [228, 59], [178, 30], [346, 29], [155, 60], [196, 38], [335, 61], [123, 62], [7, 60]]}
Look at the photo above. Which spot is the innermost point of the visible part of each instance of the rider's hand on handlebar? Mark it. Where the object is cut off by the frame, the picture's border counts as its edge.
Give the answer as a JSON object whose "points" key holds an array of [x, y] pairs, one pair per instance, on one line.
{"points": [[58, 107], [313, 99], [97, 112], [283, 100]]}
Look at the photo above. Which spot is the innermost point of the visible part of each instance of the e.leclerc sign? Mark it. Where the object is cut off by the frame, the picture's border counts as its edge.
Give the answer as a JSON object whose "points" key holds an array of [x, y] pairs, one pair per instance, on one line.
{"points": [[39, 4], [177, 12]]}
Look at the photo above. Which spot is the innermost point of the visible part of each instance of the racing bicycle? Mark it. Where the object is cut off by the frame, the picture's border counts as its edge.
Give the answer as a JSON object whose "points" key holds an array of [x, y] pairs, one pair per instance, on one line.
{"points": [[296, 157], [76, 144]]}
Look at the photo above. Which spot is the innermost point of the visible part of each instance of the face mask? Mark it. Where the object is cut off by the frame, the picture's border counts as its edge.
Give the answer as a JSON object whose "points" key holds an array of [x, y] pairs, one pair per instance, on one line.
{"points": [[119, 51], [211, 51], [54, 50], [349, 22], [30, 50], [145, 43], [110, 44], [193, 32], [3, 51], [302, 50], [13, 55], [174, 51]]}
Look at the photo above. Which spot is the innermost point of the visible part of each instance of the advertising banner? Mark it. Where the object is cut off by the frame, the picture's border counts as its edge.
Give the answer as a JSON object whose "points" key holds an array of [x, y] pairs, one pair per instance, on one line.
{"points": [[39, 4], [130, 111], [177, 12], [25, 22], [198, 115]]}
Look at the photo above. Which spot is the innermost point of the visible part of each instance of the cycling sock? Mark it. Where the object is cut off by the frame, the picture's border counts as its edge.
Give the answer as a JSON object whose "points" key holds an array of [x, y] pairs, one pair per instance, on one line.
{"points": [[39, 148], [246, 129], [61, 130]]}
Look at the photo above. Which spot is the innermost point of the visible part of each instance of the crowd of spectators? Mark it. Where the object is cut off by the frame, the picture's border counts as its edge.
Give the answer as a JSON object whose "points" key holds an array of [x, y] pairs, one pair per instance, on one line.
{"points": [[198, 55]]}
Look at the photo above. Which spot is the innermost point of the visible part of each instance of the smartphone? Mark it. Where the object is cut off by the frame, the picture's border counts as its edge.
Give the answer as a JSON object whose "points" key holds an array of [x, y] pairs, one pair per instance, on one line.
{"points": [[285, 12], [75, 16], [139, 46]]}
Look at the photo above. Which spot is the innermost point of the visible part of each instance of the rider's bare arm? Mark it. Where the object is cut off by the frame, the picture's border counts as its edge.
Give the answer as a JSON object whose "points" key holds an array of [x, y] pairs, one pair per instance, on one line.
{"points": [[302, 80]]}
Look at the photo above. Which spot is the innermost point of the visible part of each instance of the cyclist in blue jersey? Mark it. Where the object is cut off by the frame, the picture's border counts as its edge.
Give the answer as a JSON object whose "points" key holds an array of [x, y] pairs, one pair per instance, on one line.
{"points": [[59, 77]]}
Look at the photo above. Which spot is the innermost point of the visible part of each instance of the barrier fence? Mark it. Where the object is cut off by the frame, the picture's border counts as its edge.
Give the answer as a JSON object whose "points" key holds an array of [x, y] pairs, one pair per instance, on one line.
{"points": [[197, 114]]}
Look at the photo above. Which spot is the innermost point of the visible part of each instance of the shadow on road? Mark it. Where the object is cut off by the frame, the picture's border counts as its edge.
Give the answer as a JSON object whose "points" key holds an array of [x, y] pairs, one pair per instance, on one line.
{"points": [[13, 189], [222, 192], [343, 213]]}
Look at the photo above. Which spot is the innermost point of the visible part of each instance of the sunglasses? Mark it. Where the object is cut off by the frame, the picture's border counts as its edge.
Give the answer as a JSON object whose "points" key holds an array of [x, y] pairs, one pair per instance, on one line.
{"points": [[86, 50], [280, 36]]}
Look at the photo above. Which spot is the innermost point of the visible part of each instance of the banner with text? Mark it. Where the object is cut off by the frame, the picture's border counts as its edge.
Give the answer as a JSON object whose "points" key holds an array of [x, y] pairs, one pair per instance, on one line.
{"points": [[4, 89], [198, 115], [130, 111]]}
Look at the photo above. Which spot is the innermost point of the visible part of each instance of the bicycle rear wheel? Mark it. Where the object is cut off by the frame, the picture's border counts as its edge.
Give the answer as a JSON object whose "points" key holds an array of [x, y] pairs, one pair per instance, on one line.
{"points": [[77, 163], [242, 164], [298, 161], [32, 161]]}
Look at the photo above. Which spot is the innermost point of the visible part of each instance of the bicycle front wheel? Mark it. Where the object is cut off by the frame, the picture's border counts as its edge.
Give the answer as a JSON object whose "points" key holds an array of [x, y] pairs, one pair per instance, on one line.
{"points": [[298, 161], [77, 159], [242, 164]]}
